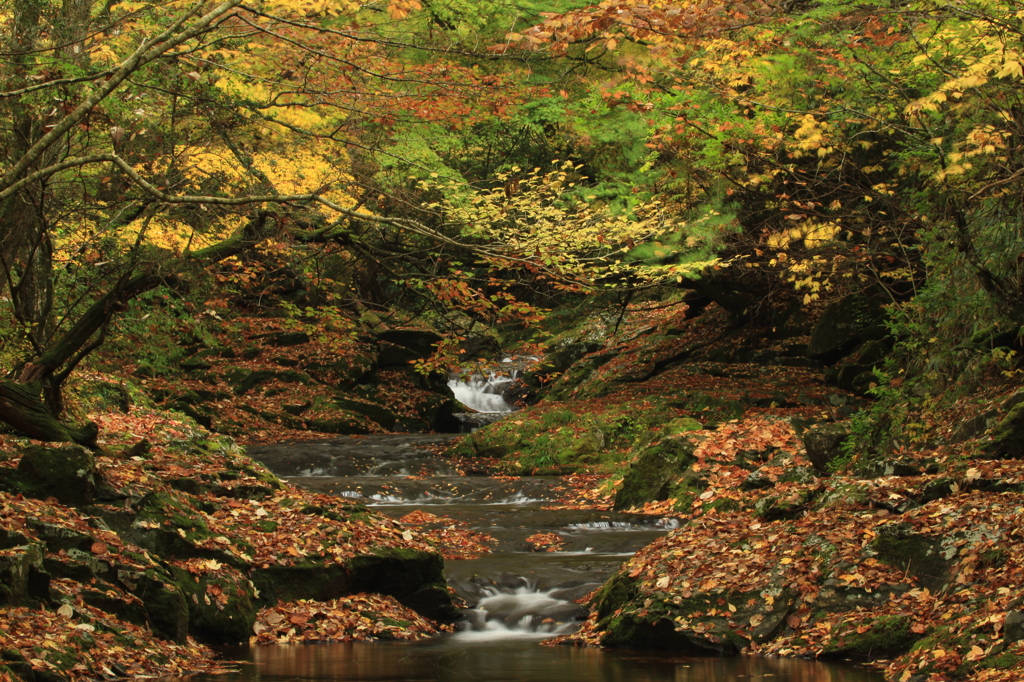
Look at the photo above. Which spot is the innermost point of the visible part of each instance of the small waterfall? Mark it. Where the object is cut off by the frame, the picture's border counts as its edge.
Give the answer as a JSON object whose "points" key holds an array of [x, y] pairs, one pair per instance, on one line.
{"points": [[516, 608], [485, 393], [481, 393]]}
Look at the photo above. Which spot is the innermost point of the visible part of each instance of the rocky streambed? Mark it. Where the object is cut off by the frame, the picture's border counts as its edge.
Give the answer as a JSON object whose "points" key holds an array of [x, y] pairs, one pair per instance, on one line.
{"points": [[514, 595]]}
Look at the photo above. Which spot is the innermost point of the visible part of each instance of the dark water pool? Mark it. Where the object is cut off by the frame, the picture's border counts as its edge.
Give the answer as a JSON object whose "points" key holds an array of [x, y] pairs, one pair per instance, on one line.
{"points": [[448, 660]]}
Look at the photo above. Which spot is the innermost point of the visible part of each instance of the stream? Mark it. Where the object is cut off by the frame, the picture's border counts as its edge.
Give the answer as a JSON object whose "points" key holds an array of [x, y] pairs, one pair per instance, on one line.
{"points": [[517, 596]]}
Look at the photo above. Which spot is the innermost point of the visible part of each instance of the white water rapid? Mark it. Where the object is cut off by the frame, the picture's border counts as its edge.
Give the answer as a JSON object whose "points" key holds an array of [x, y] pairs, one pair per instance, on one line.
{"points": [[481, 393]]}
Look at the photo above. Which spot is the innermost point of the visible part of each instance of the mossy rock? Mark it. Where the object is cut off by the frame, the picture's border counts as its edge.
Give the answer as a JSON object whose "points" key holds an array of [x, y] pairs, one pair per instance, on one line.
{"points": [[244, 380], [775, 507], [282, 339], [413, 577], [319, 581], [344, 423], [899, 546], [845, 324], [23, 580], [222, 608], [59, 538], [614, 595], [109, 601], [1007, 439], [885, 637], [167, 526], [101, 396], [167, 608], [66, 472], [384, 417], [656, 467], [76, 565], [712, 408], [353, 369], [539, 440], [824, 444]]}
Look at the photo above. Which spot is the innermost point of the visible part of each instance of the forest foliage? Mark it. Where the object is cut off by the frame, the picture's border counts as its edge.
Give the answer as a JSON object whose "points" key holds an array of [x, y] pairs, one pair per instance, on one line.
{"points": [[465, 164]]}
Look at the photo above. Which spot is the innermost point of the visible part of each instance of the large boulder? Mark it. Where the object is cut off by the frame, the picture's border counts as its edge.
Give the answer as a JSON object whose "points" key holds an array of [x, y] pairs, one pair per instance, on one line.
{"points": [[399, 347], [415, 578], [655, 469], [1008, 436], [845, 324], [221, 607], [66, 472]]}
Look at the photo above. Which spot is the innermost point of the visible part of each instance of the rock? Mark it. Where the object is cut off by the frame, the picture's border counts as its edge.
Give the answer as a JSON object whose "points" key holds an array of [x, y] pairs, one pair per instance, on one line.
{"points": [[106, 598], [345, 424], [221, 606], [626, 627], [883, 637], [773, 507], [569, 380], [77, 565], [283, 339], [166, 607], [194, 365], [1013, 627], [244, 380], [413, 577], [169, 528], [655, 469], [845, 324], [59, 538], [900, 547], [824, 444], [629, 619], [973, 427], [65, 472], [1007, 440], [382, 416], [22, 578], [397, 347]]}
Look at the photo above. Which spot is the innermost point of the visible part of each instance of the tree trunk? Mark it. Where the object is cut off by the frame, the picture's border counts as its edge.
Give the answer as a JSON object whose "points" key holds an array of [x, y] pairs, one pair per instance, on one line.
{"points": [[30, 396], [22, 406]]}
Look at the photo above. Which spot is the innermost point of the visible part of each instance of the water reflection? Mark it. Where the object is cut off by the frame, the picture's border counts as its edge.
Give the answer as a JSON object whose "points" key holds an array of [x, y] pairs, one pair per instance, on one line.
{"points": [[451, 661]]}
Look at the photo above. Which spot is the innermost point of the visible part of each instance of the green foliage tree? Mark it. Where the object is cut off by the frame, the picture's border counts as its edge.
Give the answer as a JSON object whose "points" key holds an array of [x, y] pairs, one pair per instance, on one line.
{"points": [[145, 143]]}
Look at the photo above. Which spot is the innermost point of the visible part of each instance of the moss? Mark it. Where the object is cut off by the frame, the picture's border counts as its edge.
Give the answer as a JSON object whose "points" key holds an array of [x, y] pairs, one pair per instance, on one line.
{"points": [[169, 510], [652, 473], [774, 507], [614, 594], [724, 504], [263, 475], [993, 557], [885, 637], [902, 548], [64, 472], [317, 510], [393, 622], [682, 425], [1008, 436], [222, 607], [1007, 659]]}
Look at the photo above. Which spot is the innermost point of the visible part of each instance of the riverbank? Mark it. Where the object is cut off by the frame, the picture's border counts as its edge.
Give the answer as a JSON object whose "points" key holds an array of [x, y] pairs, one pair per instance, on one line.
{"points": [[132, 560], [815, 523]]}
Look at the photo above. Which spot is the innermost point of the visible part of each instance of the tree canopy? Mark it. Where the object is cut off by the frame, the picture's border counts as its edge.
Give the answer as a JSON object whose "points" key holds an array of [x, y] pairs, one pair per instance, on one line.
{"points": [[493, 157]]}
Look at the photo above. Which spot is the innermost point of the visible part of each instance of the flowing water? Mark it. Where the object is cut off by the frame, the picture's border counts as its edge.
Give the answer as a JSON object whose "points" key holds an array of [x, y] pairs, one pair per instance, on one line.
{"points": [[518, 596]]}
